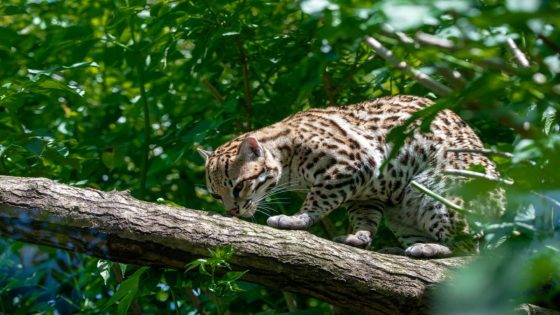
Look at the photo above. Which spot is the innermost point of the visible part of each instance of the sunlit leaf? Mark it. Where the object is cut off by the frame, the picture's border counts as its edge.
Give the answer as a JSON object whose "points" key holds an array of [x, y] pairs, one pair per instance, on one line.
{"points": [[104, 267]]}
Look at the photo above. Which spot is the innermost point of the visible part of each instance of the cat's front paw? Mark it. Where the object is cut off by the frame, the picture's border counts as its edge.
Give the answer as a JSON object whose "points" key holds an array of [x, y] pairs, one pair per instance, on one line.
{"points": [[296, 222], [427, 250], [360, 239]]}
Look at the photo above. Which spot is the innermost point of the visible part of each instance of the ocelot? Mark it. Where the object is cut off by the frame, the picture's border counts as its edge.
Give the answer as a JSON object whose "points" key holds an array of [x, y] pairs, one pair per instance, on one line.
{"points": [[335, 154]]}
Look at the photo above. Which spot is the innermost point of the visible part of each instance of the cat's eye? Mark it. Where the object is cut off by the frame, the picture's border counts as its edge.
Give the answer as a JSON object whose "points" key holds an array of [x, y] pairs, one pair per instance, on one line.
{"points": [[216, 196], [237, 190]]}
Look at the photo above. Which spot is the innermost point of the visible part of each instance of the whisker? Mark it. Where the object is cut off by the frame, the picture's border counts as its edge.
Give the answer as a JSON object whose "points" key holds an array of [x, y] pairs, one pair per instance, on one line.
{"points": [[271, 203], [294, 187], [273, 199], [274, 191], [287, 186], [263, 212], [266, 210]]}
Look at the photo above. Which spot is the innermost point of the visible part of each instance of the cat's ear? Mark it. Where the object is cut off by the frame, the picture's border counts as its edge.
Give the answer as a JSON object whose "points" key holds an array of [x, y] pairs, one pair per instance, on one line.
{"points": [[205, 154], [250, 148]]}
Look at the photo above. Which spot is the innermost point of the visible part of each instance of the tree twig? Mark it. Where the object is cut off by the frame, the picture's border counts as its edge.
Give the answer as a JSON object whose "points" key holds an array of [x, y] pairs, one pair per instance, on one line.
{"points": [[553, 201], [454, 77], [290, 301], [435, 41], [517, 53], [402, 36], [437, 196], [194, 300], [422, 78], [145, 111], [328, 87], [213, 90], [550, 43], [246, 82], [478, 175], [486, 152]]}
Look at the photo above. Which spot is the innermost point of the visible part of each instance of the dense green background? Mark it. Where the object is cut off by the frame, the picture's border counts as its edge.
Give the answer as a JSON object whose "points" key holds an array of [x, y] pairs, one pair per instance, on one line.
{"points": [[119, 94]]}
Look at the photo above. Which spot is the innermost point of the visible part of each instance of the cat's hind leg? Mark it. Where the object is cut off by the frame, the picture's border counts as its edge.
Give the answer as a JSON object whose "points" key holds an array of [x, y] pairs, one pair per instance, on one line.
{"points": [[422, 225], [418, 244], [364, 219]]}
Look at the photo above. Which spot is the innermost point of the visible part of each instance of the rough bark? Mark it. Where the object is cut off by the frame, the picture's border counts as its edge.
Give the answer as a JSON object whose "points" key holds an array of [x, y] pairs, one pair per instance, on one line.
{"points": [[118, 227]]}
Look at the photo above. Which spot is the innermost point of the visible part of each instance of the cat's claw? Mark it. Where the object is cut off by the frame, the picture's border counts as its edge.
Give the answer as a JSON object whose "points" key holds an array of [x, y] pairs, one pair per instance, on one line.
{"points": [[360, 239], [296, 222], [427, 250]]}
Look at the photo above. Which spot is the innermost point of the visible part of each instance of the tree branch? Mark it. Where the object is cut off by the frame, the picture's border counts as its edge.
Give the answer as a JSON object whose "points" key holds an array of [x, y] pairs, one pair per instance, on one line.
{"points": [[471, 174], [435, 41], [517, 53], [246, 81], [437, 196], [115, 226], [485, 152], [420, 77], [213, 90]]}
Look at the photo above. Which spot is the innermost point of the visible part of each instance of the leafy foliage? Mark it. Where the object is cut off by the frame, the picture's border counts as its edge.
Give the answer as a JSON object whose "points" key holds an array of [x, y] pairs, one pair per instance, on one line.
{"points": [[118, 94]]}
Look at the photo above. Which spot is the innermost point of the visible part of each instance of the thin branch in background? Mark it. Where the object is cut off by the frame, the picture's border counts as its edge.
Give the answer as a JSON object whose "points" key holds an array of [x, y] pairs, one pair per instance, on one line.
{"points": [[525, 129], [402, 36], [550, 43], [437, 196], [547, 198], [478, 175], [517, 53], [247, 83], [327, 83], [262, 83], [290, 299], [145, 110], [418, 76], [194, 299], [435, 41], [147, 127], [454, 77], [485, 152], [213, 90], [174, 300], [405, 38], [497, 64]]}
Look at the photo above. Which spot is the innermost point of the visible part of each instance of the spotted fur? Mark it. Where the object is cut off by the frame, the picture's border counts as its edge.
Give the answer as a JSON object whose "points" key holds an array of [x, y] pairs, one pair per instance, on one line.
{"points": [[335, 154]]}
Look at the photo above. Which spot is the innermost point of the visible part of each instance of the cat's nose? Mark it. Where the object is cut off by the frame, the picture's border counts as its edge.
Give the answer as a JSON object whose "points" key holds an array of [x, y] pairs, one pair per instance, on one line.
{"points": [[234, 211]]}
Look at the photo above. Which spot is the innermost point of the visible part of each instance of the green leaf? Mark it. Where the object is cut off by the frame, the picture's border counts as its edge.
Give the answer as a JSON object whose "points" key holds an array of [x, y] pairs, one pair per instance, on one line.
{"points": [[127, 292], [162, 296], [12, 9], [7, 36], [525, 150], [58, 68], [123, 268], [104, 267]]}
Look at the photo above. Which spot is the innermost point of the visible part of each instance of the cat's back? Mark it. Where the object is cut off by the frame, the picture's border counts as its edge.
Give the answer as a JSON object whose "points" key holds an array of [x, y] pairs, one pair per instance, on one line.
{"points": [[382, 113]]}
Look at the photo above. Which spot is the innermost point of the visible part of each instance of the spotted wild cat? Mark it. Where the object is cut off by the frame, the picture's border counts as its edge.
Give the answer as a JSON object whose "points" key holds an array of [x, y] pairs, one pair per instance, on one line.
{"points": [[335, 154]]}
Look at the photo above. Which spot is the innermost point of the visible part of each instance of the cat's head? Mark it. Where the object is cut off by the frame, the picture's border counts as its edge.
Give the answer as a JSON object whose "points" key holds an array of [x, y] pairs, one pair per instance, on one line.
{"points": [[241, 177]]}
